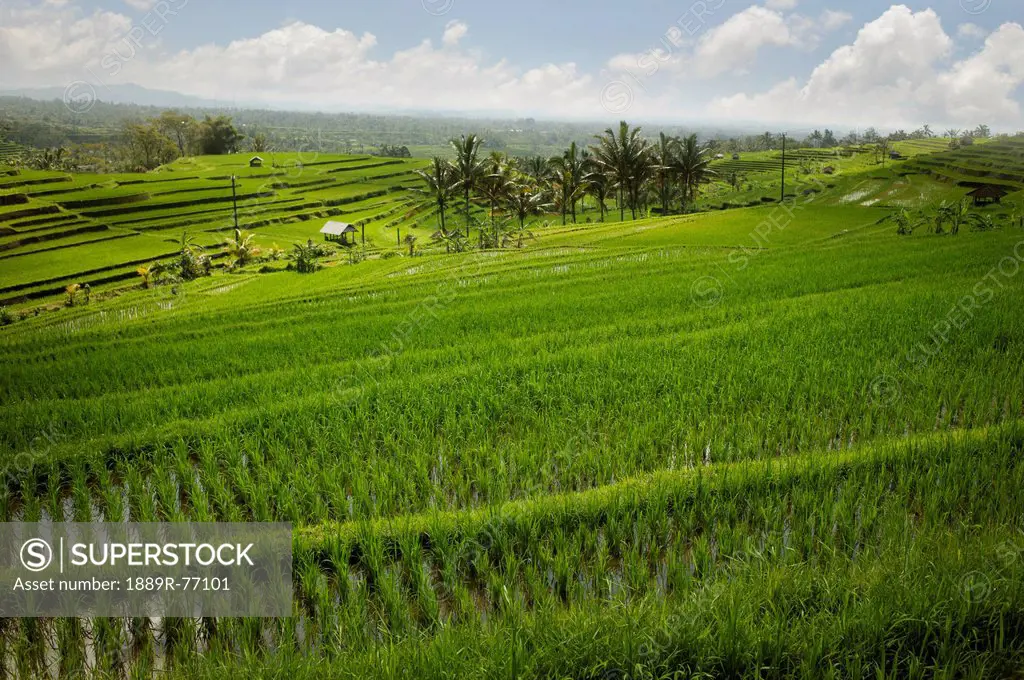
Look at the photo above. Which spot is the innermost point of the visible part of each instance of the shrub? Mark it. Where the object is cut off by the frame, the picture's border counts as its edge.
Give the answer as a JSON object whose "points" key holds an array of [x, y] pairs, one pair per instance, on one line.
{"points": [[6, 318]]}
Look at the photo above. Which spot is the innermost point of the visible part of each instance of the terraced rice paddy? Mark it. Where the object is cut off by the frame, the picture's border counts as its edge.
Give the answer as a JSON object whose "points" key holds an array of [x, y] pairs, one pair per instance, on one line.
{"points": [[764, 442], [146, 214]]}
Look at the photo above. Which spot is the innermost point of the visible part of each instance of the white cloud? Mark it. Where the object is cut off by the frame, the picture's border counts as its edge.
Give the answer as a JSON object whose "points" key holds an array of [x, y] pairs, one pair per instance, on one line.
{"points": [[331, 69], [454, 32], [44, 42], [833, 19], [734, 44], [781, 4], [897, 72], [971, 31], [141, 5], [982, 87]]}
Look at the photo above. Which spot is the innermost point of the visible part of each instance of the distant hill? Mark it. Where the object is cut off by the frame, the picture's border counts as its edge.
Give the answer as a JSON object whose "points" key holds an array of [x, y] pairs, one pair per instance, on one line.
{"points": [[123, 94]]}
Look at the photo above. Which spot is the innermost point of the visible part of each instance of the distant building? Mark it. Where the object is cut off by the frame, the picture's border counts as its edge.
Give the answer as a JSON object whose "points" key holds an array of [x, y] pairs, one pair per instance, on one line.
{"points": [[339, 232], [895, 155], [719, 156], [255, 162], [735, 156], [987, 194]]}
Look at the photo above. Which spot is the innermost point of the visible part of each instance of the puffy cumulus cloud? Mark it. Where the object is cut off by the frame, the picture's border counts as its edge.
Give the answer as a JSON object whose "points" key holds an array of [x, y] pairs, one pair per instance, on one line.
{"points": [[298, 64], [52, 40], [299, 61], [781, 4], [734, 46], [983, 86], [897, 72], [454, 32]]}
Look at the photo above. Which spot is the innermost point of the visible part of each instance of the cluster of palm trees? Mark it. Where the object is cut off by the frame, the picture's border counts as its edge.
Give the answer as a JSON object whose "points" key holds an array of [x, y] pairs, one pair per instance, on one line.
{"points": [[621, 165]]}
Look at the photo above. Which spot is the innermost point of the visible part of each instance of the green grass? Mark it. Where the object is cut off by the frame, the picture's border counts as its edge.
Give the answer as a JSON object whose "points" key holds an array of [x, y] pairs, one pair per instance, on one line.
{"points": [[777, 441]]}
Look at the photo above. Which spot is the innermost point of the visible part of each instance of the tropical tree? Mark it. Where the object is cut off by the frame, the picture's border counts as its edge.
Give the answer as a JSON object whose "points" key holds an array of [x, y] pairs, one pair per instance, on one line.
{"points": [[55, 158], [454, 241], [218, 136], [181, 128], [906, 223], [307, 257], [536, 167], [241, 248], [597, 184], [521, 234], [626, 158], [442, 183], [954, 214], [469, 168], [664, 171], [148, 147], [191, 263], [567, 173], [495, 183], [524, 199], [692, 168]]}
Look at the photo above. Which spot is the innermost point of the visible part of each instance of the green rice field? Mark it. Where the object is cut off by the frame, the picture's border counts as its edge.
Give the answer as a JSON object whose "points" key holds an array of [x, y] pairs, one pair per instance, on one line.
{"points": [[774, 440]]}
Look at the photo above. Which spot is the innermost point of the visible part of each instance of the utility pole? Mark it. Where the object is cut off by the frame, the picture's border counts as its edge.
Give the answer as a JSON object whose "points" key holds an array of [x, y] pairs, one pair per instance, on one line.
{"points": [[234, 201], [782, 198]]}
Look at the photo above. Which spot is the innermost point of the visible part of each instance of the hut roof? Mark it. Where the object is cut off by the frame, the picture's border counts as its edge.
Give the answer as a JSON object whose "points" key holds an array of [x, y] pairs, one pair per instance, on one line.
{"points": [[338, 228], [989, 191]]}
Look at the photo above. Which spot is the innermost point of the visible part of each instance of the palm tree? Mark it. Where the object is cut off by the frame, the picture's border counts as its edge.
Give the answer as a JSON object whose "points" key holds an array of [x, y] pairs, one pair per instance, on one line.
{"points": [[596, 183], [611, 157], [442, 183], [469, 169], [767, 141], [926, 130], [524, 199], [953, 133], [625, 157], [664, 158], [495, 182], [241, 248], [692, 168], [536, 167], [567, 176]]}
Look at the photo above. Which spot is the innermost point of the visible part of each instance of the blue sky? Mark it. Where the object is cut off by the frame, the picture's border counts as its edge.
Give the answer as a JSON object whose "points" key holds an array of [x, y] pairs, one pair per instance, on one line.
{"points": [[947, 61]]}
